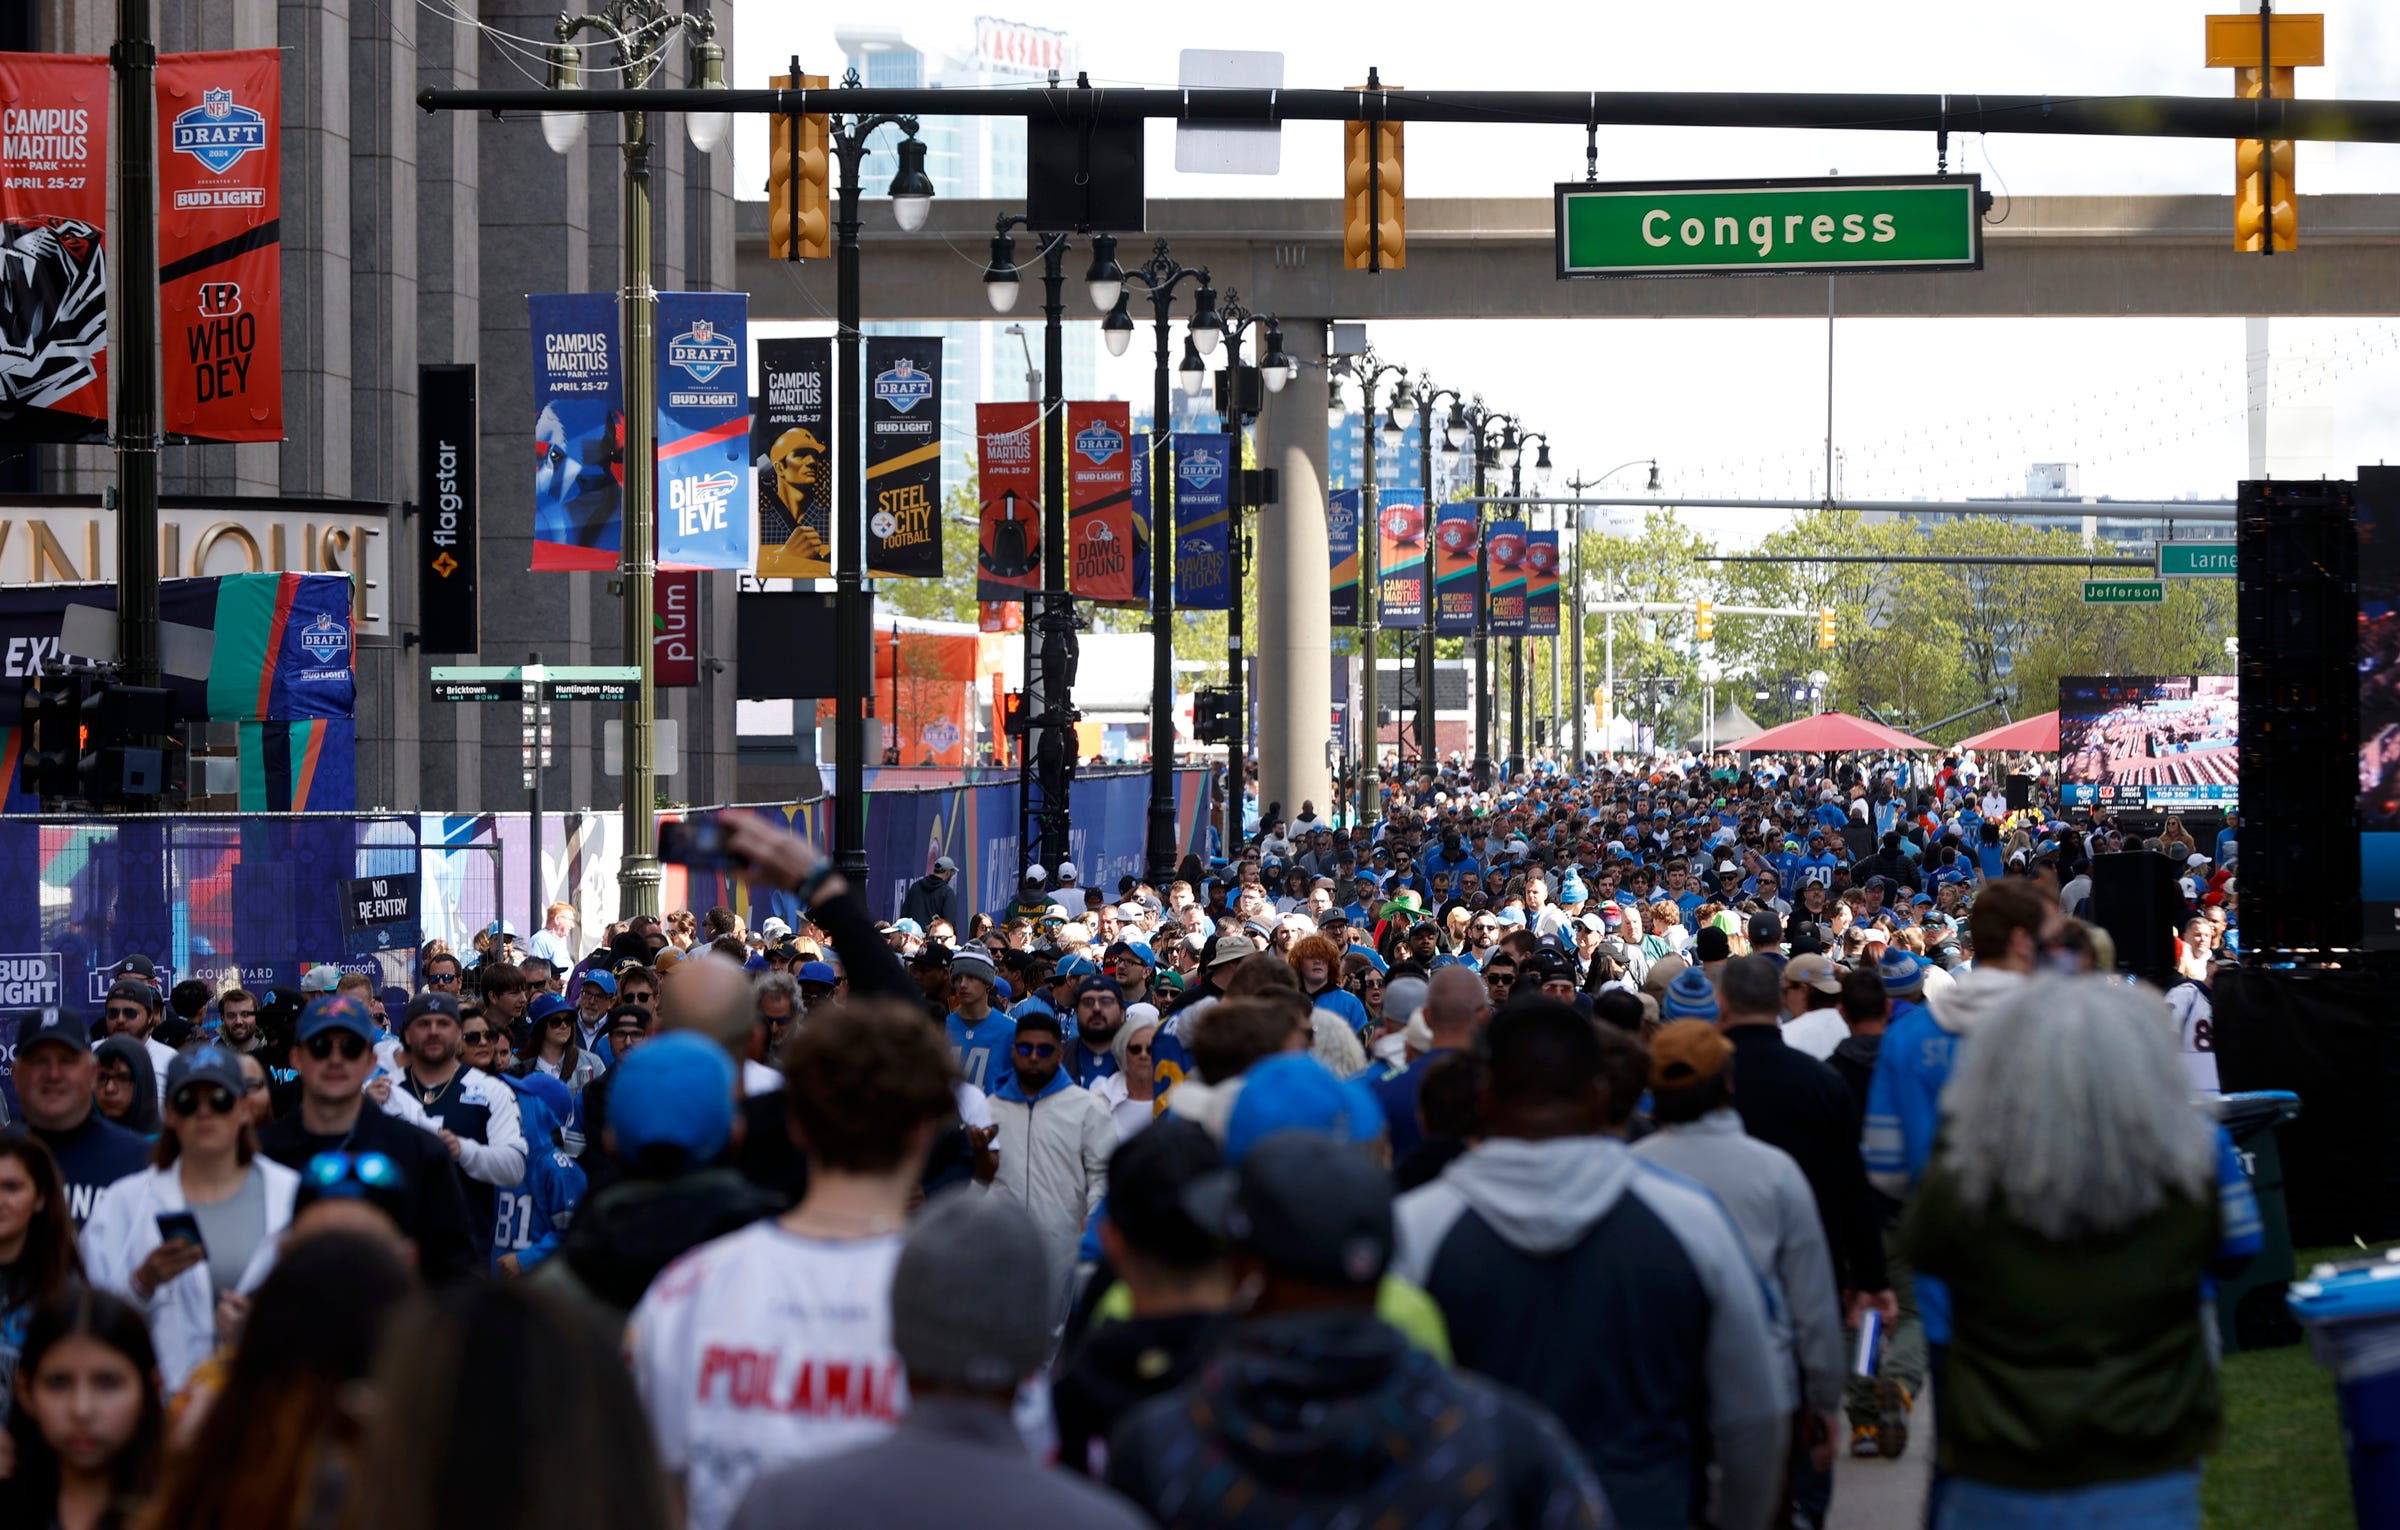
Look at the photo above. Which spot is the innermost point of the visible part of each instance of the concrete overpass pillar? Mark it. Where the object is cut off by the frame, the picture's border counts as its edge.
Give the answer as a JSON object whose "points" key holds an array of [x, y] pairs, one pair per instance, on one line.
{"points": [[1295, 636], [2286, 439]]}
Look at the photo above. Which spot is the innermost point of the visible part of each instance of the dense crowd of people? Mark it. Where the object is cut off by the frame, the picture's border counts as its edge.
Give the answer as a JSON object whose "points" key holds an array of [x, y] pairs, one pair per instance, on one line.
{"points": [[1537, 1156]]}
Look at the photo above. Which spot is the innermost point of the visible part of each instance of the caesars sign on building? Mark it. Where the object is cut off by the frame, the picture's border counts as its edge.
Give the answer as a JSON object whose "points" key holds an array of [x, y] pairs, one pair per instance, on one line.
{"points": [[74, 541]]}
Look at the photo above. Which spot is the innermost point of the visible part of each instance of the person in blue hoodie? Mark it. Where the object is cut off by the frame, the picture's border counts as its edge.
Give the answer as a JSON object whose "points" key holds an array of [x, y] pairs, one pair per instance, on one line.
{"points": [[533, 1215], [980, 1033]]}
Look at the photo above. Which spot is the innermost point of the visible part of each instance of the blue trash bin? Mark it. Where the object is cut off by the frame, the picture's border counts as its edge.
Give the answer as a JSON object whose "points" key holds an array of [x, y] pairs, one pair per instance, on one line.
{"points": [[2352, 1317]]}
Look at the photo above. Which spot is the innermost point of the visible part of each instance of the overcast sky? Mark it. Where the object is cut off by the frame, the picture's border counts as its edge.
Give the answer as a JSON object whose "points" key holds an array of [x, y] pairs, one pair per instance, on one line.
{"points": [[1936, 408]]}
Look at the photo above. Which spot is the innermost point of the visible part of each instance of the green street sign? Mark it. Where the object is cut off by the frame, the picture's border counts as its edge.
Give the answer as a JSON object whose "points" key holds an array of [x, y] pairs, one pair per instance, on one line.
{"points": [[1684, 228], [479, 682], [2123, 592], [535, 682], [2196, 560]]}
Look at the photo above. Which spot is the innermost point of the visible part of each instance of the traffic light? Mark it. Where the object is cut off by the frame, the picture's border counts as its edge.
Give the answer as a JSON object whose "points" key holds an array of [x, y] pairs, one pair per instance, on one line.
{"points": [[1374, 197], [53, 720], [116, 767], [1704, 620], [1825, 628], [799, 194], [1212, 714], [2263, 51]]}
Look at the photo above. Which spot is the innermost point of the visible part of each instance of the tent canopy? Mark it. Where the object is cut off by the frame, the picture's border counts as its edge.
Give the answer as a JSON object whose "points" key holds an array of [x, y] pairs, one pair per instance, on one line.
{"points": [[1830, 733], [2031, 735], [1732, 726]]}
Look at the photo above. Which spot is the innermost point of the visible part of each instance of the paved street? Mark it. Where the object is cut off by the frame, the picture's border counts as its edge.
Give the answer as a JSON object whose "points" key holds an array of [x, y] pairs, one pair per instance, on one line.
{"points": [[1876, 1494]]}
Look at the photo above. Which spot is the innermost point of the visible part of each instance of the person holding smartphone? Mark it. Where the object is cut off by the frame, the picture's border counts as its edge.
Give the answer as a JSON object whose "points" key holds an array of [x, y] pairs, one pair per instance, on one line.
{"points": [[188, 1240]]}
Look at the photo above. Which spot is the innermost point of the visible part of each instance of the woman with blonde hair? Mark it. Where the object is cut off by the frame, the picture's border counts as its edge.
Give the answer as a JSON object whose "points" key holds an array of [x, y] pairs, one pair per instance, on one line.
{"points": [[1131, 1093]]}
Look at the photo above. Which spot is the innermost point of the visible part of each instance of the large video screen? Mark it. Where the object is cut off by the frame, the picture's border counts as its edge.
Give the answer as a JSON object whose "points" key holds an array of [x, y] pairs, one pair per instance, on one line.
{"points": [[2379, 719], [2149, 742]]}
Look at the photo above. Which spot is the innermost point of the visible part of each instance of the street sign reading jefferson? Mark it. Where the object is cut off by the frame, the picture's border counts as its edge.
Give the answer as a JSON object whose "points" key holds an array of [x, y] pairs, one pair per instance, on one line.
{"points": [[2123, 592], [1690, 228]]}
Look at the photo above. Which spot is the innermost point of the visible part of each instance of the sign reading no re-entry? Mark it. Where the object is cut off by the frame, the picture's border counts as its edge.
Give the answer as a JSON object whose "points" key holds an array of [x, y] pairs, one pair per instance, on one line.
{"points": [[1690, 228]]}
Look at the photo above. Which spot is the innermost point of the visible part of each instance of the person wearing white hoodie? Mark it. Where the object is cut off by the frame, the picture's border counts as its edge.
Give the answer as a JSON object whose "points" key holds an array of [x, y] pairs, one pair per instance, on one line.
{"points": [[1620, 1296]]}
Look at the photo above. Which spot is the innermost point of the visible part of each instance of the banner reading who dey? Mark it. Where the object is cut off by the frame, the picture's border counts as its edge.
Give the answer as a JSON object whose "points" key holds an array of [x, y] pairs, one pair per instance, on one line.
{"points": [[904, 457], [1203, 520], [578, 432], [220, 249], [791, 454], [53, 210], [703, 430]]}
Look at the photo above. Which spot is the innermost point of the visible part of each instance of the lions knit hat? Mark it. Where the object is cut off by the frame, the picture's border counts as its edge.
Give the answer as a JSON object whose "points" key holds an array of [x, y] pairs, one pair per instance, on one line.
{"points": [[1690, 997], [972, 961], [1903, 975]]}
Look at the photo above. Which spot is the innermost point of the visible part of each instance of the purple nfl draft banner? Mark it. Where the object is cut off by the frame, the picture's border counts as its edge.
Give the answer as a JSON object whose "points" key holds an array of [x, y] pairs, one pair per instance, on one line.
{"points": [[1203, 520], [705, 508], [1504, 576], [578, 432], [1400, 570], [1341, 551], [1541, 584]]}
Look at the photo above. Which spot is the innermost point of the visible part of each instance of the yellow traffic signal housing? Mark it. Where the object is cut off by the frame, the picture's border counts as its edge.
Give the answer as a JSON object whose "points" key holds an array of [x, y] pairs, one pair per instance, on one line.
{"points": [[799, 191], [1374, 194], [2263, 55], [1704, 618], [1825, 628]]}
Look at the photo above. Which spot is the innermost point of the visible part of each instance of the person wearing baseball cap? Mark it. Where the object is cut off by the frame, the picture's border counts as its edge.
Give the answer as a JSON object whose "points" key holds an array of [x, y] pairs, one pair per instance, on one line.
{"points": [[1311, 1370], [934, 896], [54, 1073], [335, 1055], [1811, 1016]]}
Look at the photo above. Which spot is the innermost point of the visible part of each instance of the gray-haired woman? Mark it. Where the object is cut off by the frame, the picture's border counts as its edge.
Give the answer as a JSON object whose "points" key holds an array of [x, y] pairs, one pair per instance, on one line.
{"points": [[1129, 1093], [2073, 1204]]}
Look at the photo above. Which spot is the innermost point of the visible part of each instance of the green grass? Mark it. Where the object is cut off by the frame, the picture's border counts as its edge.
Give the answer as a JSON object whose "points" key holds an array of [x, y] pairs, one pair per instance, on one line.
{"points": [[2281, 1464]]}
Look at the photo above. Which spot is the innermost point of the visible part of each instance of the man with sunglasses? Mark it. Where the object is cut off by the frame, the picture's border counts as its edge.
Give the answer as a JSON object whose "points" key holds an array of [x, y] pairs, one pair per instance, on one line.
{"points": [[335, 1055], [132, 1010], [1054, 1142]]}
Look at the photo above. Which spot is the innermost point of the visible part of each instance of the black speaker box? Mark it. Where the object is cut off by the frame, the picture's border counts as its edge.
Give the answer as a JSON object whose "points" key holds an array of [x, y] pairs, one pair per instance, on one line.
{"points": [[2136, 897]]}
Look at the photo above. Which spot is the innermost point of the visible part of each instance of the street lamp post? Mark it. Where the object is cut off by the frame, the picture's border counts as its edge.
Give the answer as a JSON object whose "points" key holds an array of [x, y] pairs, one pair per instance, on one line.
{"points": [[1276, 369], [1160, 275], [1541, 482], [1577, 486], [912, 197], [1453, 437], [1370, 371], [1494, 435], [638, 30]]}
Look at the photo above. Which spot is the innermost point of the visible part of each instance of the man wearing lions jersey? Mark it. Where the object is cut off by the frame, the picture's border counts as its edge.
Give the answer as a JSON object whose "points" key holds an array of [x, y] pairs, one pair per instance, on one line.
{"points": [[774, 1344]]}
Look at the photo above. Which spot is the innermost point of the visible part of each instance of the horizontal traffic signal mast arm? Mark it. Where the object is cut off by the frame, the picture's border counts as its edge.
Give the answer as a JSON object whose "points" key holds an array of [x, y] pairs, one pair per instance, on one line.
{"points": [[2088, 116]]}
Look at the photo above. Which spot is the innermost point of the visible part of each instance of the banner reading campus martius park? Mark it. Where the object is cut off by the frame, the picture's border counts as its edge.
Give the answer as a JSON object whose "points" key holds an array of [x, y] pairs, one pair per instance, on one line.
{"points": [[220, 244], [53, 212], [703, 430], [904, 456], [578, 431], [791, 452], [1008, 452]]}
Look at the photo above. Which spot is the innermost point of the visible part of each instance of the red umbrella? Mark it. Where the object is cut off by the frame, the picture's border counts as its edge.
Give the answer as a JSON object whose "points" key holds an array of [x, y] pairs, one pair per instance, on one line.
{"points": [[1830, 733], [2031, 735]]}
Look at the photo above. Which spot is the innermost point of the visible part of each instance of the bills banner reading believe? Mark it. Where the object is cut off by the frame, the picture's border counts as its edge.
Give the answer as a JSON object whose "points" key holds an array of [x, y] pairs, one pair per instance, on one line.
{"points": [[1341, 551], [1400, 570], [579, 432], [1203, 520], [1504, 576], [1541, 584], [53, 212], [1457, 570], [1008, 450], [703, 430], [1100, 540], [904, 456], [791, 456], [220, 250]]}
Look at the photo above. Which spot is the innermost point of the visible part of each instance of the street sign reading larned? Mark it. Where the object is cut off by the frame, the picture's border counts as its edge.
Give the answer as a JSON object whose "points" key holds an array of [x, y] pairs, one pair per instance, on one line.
{"points": [[2197, 560], [1689, 228]]}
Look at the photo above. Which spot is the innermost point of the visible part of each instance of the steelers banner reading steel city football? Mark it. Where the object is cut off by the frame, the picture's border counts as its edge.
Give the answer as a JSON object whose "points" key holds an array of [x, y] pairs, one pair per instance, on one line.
{"points": [[904, 456], [1100, 541], [791, 452], [53, 210], [1008, 554], [220, 249], [578, 432], [703, 430], [1203, 520]]}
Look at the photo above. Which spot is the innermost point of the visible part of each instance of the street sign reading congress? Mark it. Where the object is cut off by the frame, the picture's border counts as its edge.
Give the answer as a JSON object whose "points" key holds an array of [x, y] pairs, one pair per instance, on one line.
{"points": [[1691, 228]]}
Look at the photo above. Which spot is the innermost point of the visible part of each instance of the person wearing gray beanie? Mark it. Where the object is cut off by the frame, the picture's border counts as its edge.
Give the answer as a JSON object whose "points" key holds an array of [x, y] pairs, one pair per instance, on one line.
{"points": [[955, 1457]]}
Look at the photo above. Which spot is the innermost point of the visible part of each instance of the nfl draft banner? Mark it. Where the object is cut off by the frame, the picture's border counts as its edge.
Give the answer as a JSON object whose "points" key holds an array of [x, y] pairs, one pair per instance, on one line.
{"points": [[1541, 584], [790, 452], [1008, 460], [1341, 550], [1203, 521], [703, 430], [1100, 545], [1457, 570], [53, 267], [1504, 576], [578, 432], [1400, 569], [220, 251], [904, 457]]}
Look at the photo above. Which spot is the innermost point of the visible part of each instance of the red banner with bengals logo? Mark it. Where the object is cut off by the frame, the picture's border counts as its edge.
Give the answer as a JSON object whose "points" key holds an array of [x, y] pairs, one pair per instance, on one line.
{"points": [[53, 265], [220, 254], [1100, 540]]}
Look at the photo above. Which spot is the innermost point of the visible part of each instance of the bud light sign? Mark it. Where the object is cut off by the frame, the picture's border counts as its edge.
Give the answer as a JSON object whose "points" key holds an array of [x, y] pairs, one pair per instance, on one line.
{"points": [[31, 980]]}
